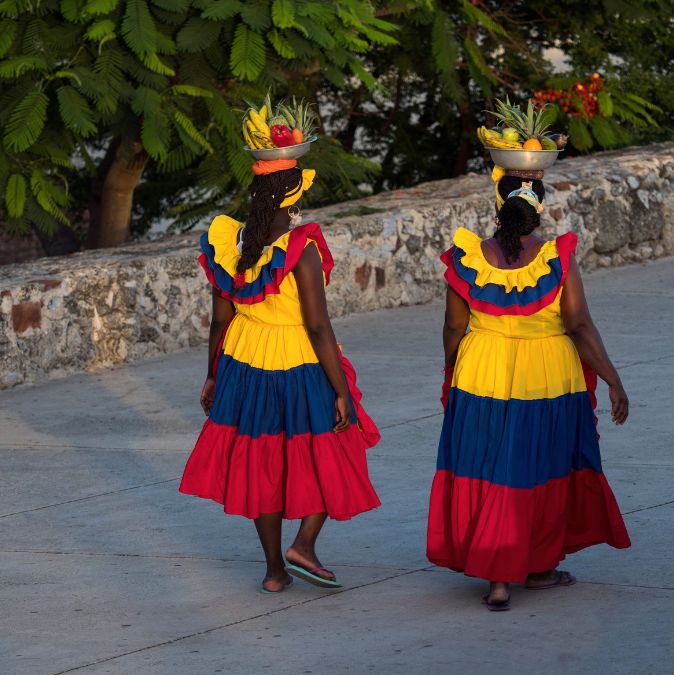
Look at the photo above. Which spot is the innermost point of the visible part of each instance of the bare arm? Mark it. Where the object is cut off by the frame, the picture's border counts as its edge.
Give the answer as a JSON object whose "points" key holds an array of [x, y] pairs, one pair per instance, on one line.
{"points": [[309, 276], [223, 313], [585, 336], [457, 315]]}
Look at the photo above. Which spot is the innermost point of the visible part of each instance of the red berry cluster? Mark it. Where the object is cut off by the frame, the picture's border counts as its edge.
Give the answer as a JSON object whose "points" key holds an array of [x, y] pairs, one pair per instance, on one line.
{"points": [[566, 99]]}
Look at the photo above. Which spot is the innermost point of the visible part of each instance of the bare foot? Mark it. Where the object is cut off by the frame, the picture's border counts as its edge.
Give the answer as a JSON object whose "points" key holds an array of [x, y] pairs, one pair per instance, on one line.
{"points": [[498, 593], [309, 561], [275, 583]]}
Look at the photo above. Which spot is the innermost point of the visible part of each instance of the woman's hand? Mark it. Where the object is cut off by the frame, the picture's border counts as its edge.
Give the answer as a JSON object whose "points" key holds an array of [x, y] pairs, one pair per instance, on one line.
{"points": [[619, 403], [207, 395], [446, 387], [343, 414]]}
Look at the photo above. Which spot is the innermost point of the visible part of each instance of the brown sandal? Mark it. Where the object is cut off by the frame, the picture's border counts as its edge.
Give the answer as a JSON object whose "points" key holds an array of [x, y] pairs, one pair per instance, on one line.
{"points": [[562, 579]]}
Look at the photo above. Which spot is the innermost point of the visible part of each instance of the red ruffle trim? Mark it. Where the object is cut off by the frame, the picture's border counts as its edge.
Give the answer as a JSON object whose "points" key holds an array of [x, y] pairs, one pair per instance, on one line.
{"points": [[566, 246], [296, 244], [296, 476], [503, 534]]}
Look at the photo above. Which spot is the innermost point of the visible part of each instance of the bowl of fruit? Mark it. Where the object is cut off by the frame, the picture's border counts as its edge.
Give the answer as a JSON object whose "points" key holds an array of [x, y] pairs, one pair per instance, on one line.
{"points": [[521, 140], [284, 132]]}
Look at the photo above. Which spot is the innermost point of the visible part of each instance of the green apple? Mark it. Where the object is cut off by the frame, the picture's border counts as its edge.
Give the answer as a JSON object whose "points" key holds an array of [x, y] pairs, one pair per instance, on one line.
{"points": [[510, 135]]}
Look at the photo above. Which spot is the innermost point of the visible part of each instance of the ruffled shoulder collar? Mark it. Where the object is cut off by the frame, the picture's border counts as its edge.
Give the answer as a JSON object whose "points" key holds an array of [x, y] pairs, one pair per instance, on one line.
{"points": [[220, 256], [522, 290]]}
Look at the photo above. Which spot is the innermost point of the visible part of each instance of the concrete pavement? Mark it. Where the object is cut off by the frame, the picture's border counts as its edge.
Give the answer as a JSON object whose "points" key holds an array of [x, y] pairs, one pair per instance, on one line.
{"points": [[105, 568]]}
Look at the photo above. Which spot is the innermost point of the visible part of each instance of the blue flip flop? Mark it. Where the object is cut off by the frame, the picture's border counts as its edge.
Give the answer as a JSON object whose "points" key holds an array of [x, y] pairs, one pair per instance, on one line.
{"points": [[310, 576]]}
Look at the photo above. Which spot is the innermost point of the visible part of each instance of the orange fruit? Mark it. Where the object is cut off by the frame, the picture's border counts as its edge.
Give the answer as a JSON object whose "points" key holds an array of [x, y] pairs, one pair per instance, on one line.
{"points": [[532, 144]]}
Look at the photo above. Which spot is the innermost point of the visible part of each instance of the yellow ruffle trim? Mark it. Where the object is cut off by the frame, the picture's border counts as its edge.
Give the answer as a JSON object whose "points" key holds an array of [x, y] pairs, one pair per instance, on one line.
{"points": [[519, 278], [223, 236]]}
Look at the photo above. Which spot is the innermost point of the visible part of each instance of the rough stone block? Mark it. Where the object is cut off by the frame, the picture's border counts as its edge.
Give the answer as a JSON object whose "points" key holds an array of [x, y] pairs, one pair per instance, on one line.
{"points": [[105, 307], [26, 315]]}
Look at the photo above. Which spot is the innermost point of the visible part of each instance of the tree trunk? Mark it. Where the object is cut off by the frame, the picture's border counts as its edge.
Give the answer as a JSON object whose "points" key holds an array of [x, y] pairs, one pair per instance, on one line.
{"points": [[112, 190]]}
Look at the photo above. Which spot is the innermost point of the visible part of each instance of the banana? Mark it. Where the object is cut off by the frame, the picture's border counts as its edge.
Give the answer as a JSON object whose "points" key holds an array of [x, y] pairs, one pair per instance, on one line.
{"points": [[251, 137], [258, 123], [258, 138], [506, 145], [246, 135], [263, 113], [493, 139]]}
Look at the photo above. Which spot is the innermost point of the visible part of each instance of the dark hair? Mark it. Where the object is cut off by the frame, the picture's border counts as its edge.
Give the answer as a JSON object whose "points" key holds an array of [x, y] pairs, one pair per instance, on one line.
{"points": [[516, 218], [267, 192]]}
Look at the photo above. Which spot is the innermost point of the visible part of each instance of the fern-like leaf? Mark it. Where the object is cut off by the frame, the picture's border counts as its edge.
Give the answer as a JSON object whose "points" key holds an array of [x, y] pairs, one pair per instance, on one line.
{"points": [[191, 90], [220, 10], [316, 32], [96, 7], [156, 65], [7, 35], [72, 10], [186, 124], [15, 67], [239, 164], [365, 76], [579, 134], [26, 121], [247, 57], [197, 34], [50, 198], [283, 13], [75, 111], [138, 28], [156, 135], [476, 15], [604, 132], [256, 14], [99, 30], [605, 104], [173, 5], [146, 101], [177, 159], [15, 195], [443, 45], [281, 45]]}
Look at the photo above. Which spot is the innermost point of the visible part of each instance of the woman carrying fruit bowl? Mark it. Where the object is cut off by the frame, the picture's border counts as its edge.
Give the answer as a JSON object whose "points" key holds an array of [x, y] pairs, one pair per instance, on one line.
{"points": [[519, 483], [286, 435]]}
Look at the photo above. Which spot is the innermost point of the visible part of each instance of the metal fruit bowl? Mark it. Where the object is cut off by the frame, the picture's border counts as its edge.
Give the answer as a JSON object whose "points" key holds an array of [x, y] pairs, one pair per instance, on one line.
{"points": [[528, 160], [289, 152]]}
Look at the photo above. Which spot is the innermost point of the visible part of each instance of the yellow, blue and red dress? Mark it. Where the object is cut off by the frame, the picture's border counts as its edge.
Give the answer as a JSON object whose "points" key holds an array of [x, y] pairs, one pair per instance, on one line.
{"points": [[268, 444], [519, 481]]}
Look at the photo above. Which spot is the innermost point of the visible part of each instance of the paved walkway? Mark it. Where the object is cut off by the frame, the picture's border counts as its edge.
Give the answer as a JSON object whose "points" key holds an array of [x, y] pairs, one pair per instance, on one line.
{"points": [[105, 568]]}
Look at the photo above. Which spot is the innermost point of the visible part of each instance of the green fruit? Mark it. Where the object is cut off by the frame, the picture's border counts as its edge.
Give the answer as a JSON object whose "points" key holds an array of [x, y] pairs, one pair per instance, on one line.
{"points": [[511, 135], [548, 143]]}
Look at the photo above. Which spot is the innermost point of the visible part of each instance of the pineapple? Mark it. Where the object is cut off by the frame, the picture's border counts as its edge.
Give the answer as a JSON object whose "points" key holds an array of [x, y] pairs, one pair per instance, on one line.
{"points": [[530, 127]]}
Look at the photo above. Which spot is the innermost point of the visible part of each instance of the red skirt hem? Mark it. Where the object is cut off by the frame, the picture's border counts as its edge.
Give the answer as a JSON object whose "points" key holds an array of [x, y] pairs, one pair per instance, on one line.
{"points": [[503, 534], [298, 476]]}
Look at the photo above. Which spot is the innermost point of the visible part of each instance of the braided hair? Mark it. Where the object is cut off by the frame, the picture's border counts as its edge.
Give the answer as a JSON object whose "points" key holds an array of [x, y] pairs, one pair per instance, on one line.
{"points": [[267, 192], [516, 218]]}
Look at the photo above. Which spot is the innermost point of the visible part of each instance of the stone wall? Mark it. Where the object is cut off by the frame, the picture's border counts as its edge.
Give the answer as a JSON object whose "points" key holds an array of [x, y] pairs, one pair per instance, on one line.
{"points": [[100, 308]]}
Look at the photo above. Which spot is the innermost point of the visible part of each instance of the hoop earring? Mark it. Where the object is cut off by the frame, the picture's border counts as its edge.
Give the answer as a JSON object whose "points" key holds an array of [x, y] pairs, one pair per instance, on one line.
{"points": [[295, 215]]}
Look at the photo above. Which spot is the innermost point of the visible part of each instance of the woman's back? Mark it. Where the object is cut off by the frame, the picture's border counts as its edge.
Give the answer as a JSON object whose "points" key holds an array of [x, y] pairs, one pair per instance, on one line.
{"points": [[521, 301], [267, 292]]}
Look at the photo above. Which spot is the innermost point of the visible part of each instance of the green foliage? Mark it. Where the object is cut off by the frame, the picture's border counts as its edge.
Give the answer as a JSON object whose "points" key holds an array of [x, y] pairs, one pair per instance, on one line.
{"points": [[618, 116], [77, 77], [26, 121], [15, 195], [401, 84], [248, 53]]}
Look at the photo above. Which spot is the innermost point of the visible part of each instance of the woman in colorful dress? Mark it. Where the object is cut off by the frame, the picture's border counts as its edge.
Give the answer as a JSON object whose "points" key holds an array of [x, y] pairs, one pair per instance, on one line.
{"points": [[286, 435], [519, 482]]}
